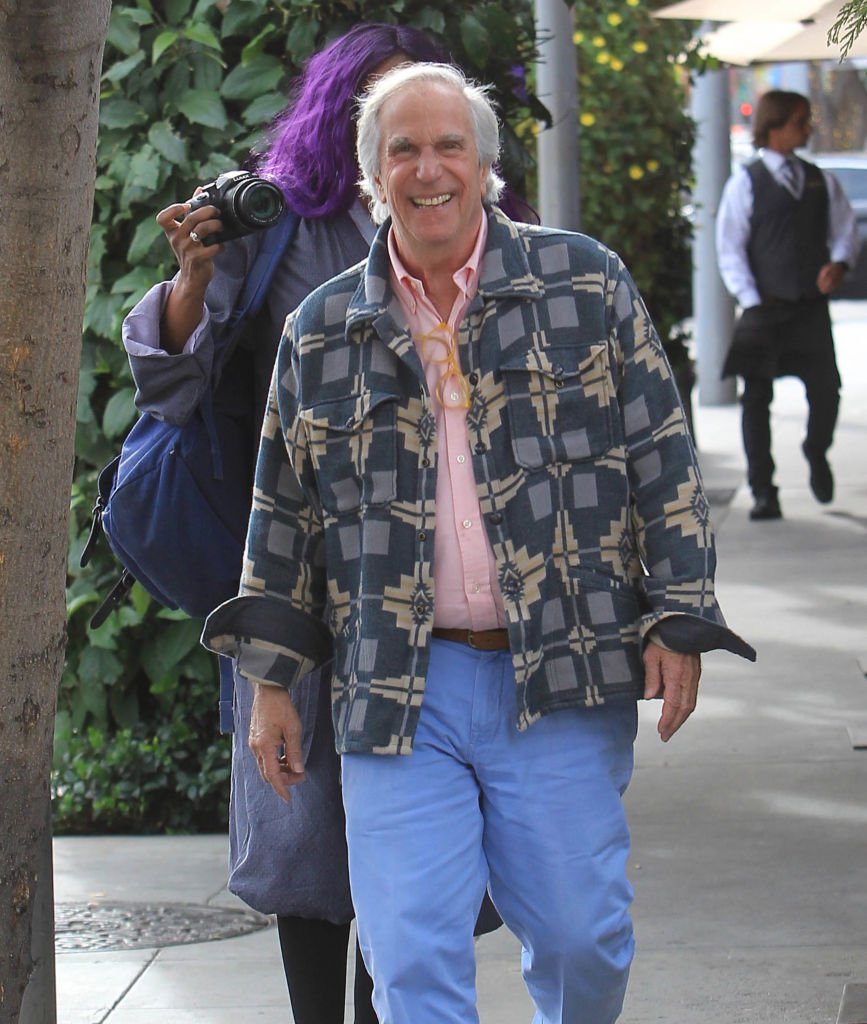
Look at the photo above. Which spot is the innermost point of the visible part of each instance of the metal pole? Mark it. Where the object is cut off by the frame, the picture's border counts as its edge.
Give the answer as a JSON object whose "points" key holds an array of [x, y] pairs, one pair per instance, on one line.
{"points": [[557, 88], [713, 307]]}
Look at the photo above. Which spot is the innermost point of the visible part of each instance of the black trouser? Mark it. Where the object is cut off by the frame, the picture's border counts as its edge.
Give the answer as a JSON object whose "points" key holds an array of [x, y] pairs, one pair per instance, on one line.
{"points": [[784, 340], [314, 959], [822, 385]]}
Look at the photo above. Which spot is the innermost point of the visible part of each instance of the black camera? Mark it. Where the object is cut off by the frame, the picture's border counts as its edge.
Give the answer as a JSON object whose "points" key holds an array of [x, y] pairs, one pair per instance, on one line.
{"points": [[246, 203]]}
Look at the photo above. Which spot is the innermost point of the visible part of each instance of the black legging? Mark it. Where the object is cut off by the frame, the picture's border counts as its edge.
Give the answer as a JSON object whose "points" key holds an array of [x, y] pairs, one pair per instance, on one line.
{"points": [[314, 959]]}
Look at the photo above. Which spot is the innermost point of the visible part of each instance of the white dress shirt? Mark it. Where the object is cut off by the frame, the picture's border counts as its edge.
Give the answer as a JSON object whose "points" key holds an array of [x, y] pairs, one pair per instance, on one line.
{"points": [[735, 213]]}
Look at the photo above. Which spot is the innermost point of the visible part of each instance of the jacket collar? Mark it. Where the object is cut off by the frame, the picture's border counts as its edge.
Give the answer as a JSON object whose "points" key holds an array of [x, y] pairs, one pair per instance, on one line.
{"points": [[505, 271]]}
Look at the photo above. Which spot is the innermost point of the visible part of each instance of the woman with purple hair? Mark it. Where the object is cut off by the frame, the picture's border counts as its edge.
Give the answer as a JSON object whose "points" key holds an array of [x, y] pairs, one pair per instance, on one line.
{"points": [[288, 860]]}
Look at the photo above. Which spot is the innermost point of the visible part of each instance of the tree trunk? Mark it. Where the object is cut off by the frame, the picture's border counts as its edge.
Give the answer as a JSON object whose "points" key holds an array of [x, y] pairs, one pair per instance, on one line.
{"points": [[50, 60]]}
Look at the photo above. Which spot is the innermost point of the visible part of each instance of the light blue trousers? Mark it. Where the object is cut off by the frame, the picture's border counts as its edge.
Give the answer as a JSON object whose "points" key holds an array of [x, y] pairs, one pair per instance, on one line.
{"points": [[536, 815]]}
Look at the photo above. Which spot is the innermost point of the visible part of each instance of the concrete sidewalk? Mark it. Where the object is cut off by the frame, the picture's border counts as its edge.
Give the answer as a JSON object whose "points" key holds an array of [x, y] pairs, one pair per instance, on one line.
{"points": [[749, 828]]}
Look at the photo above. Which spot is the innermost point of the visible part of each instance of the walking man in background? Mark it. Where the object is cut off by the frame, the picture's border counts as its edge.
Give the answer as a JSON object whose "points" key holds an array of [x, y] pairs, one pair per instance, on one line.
{"points": [[477, 493], [786, 234]]}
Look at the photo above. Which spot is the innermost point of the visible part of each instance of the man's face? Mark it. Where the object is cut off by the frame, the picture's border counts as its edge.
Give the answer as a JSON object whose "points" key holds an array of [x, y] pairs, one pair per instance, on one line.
{"points": [[793, 134], [430, 175]]}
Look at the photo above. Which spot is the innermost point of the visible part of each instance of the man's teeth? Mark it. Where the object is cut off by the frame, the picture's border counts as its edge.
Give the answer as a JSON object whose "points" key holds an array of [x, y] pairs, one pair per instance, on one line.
{"points": [[433, 200]]}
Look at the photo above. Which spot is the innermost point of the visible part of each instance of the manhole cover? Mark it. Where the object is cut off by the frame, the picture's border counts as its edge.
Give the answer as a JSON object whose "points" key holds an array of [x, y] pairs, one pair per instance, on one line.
{"points": [[113, 926]]}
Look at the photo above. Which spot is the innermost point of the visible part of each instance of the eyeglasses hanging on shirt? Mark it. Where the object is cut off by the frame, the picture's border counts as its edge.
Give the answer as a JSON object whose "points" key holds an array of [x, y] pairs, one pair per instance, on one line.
{"points": [[439, 346]]}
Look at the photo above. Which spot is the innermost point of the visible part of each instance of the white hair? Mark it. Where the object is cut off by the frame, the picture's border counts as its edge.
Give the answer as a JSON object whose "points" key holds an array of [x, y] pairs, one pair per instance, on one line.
{"points": [[369, 138]]}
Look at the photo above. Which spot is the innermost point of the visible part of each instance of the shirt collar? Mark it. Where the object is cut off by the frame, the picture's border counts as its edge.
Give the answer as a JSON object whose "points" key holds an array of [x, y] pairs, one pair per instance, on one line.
{"points": [[466, 278]]}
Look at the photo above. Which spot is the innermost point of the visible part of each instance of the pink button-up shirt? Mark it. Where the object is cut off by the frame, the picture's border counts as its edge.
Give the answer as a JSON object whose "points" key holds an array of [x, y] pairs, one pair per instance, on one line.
{"points": [[466, 594]]}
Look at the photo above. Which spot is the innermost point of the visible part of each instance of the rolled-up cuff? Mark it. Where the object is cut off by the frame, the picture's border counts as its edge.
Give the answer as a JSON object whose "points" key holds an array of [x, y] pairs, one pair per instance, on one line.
{"points": [[271, 641], [689, 634]]}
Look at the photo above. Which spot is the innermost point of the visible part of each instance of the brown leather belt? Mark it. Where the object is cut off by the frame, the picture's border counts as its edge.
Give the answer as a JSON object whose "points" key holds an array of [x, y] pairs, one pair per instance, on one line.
{"points": [[479, 639]]}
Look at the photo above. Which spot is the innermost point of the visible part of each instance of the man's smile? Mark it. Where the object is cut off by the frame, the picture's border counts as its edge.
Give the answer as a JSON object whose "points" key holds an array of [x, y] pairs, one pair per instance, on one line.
{"points": [[433, 200]]}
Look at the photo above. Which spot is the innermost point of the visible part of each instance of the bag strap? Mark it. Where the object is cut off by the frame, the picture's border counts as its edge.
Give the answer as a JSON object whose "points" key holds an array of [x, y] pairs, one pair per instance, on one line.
{"points": [[258, 280], [256, 285]]}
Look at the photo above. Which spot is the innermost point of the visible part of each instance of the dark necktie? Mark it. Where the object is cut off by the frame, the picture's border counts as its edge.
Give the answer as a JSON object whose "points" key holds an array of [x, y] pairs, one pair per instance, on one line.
{"points": [[789, 176]]}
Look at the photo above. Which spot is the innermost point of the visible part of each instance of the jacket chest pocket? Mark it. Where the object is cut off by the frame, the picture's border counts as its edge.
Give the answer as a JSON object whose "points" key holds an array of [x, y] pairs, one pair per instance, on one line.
{"points": [[559, 403], [353, 446]]}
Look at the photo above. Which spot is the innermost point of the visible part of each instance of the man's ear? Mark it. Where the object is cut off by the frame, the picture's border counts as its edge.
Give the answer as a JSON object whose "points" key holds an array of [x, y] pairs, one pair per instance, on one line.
{"points": [[380, 191]]}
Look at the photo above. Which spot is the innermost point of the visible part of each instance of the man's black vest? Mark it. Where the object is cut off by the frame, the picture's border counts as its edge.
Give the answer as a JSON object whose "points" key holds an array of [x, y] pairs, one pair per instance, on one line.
{"points": [[788, 237]]}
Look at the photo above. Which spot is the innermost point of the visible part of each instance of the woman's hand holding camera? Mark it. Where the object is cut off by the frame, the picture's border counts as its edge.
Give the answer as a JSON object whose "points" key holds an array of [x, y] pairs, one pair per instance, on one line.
{"points": [[185, 230]]}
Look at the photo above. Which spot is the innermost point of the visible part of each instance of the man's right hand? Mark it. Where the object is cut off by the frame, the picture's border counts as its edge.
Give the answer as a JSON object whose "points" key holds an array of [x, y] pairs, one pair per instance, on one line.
{"points": [[274, 723]]}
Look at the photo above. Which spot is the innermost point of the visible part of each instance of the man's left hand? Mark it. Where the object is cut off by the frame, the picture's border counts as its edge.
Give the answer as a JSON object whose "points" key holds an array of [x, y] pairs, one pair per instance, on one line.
{"points": [[673, 677]]}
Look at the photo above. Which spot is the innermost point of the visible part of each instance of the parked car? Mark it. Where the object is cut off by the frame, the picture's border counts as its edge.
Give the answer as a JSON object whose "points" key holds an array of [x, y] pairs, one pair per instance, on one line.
{"points": [[850, 169]]}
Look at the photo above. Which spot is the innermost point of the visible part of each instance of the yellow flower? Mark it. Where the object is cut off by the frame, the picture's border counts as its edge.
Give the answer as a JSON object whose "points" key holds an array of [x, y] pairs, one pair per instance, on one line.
{"points": [[616, 64], [603, 58], [578, 38], [635, 172], [614, 19], [598, 41], [652, 166], [640, 46], [588, 119], [632, 3]]}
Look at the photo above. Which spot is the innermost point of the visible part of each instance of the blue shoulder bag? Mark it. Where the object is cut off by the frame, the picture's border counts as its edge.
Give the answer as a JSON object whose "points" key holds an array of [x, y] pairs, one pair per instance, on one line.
{"points": [[174, 504]]}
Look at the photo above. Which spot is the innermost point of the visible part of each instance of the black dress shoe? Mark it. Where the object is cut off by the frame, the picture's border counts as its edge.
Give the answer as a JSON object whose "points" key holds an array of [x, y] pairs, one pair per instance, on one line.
{"points": [[821, 477], [767, 506]]}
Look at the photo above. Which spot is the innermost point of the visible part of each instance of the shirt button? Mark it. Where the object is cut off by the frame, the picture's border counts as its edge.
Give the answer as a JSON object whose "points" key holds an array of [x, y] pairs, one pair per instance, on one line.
{"points": [[461, 459], [476, 588], [467, 523], [454, 396]]}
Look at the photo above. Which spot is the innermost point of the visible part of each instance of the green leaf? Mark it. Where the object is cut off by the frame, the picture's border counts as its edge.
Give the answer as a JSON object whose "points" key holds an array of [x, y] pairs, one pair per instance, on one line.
{"points": [[120, 411], [121, 70], [264, 109], [254, 47], [176, 10], [247, 81], [162, 42], [475, 39], [174, 641], [136, 282], [144, 169], [100, 314], [98, 667], [301, 40], [145, 235], [123, 33], [201, 106], [167, 142], [431, 19], [116, 112], [204, 34], [141, 599]]}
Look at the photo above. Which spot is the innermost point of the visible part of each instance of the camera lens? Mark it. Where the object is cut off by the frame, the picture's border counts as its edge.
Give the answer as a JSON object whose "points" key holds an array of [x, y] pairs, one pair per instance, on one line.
{"points": [[257, 203]]}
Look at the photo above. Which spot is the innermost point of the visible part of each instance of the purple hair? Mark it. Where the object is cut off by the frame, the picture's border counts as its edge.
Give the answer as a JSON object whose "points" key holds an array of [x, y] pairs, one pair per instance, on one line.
{"points": [[311, 154]]}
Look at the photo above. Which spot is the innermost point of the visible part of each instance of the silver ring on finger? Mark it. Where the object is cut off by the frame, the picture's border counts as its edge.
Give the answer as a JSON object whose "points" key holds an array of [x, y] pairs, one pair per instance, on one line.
{"points": [[195, 236]]}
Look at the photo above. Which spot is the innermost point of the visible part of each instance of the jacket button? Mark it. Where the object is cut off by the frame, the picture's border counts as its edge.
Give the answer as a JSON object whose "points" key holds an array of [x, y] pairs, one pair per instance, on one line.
{"points": [[496, 518], [474, 379], [422, 535], [481, 448], [425, 463]]}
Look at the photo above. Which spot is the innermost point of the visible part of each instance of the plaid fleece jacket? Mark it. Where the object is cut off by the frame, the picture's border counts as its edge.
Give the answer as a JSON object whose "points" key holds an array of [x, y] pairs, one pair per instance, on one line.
{"points": [[586, 477]]}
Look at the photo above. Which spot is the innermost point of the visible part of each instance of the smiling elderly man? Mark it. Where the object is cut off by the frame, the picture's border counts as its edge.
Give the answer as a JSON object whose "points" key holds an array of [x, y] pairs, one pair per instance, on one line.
{"points": [[477, 494]]}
